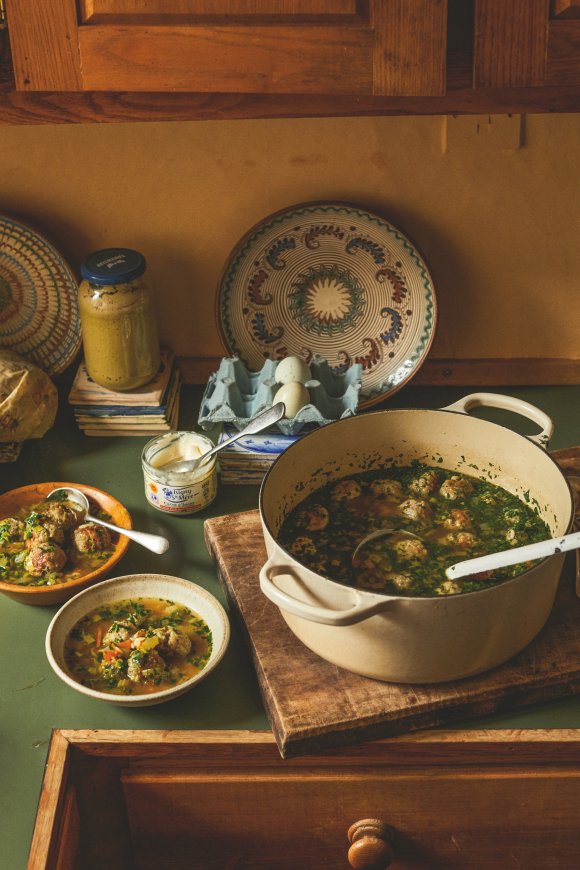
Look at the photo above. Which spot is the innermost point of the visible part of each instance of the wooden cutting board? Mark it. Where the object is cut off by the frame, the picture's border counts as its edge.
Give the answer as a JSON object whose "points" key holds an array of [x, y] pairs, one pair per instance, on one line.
{"points": [[313, 705]]}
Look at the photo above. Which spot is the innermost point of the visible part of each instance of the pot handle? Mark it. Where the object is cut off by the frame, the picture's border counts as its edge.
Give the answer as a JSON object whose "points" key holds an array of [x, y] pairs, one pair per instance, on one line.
{"points": [[508, 403], [359, 611]]}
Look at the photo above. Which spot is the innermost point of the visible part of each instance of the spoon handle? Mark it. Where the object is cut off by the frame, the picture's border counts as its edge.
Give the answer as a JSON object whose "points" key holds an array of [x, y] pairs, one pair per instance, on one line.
{"points": [[539, 550], [155, 543], [262, 421]]}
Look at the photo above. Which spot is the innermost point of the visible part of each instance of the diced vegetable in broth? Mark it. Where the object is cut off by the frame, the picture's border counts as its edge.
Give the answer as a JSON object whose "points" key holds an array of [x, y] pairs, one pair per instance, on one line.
{"points": [[137, 646], [455, 516]]}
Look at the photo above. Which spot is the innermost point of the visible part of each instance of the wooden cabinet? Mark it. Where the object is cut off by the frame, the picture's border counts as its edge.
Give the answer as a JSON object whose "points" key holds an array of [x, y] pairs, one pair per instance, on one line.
{"points": [[526, 43], [118, 60], [263, 46], [186, 800]]}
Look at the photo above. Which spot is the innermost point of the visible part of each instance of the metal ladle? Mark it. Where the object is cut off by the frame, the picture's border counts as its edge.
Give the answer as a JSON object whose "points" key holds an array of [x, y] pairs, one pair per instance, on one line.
{"points": [[155, 543], [527, 553], [489, 562], [262, 421]]}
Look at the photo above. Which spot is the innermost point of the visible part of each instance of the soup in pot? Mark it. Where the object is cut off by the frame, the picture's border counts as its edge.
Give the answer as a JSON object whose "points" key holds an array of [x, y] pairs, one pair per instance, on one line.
{"points": [[453, 516]]}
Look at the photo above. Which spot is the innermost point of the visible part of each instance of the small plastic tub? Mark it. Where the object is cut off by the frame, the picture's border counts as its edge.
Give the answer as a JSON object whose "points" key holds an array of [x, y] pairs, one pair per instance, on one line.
{"points": [[178, 492]]}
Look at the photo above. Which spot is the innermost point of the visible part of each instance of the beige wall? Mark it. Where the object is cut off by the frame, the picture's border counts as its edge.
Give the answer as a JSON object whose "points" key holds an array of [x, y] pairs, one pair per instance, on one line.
{"points": [[500, 230]]}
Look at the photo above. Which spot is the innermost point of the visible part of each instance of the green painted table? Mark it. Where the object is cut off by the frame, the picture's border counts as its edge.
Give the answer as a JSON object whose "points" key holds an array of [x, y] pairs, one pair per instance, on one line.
{"points": [[33, 700]]}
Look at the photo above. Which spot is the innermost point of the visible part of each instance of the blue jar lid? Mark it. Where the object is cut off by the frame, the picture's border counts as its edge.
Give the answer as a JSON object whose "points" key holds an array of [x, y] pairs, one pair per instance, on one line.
{"points": [[113, 266]]}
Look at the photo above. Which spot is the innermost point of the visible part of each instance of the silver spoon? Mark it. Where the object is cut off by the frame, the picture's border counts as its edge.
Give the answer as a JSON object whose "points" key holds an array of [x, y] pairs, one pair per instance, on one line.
{"points": [[262, 421], [527, 553], [155, 543]]}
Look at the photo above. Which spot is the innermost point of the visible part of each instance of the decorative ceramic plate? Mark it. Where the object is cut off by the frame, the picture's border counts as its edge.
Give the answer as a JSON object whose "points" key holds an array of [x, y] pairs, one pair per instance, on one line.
{"points": [[39, 314], [332, 279]]}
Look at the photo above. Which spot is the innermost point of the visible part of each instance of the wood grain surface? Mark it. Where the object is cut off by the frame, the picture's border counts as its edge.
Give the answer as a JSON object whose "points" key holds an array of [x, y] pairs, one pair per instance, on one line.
{"points": [[194, 800], [313, 705]]}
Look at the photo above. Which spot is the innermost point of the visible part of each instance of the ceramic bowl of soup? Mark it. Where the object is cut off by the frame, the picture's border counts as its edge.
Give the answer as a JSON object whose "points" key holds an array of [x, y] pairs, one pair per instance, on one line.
{"points": [[67, 560], [138, 640], [435, 631]]}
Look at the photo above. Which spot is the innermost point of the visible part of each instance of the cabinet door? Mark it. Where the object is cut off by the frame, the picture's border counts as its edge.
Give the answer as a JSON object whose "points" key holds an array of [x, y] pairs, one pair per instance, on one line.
{"points": [[393, 48], [526, 43]]}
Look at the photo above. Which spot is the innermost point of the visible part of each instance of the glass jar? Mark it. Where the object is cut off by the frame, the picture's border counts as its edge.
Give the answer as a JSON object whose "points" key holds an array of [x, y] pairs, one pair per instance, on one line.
{"points": [[178, 492], [121, 347]]}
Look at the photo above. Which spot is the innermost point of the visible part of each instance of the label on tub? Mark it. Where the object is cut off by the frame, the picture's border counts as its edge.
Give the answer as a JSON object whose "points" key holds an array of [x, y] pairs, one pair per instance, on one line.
{"points": [[181, 499]]}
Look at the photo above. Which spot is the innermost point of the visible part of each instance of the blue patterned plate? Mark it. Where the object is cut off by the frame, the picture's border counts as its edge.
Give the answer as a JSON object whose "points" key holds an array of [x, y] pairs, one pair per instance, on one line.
{"points": [[335, 280], [39, 313]]}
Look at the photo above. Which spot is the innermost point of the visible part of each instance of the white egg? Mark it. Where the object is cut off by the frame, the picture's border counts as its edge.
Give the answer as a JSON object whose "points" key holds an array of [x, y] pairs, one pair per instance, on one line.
{"points": [[292, 368], [294, 395]]}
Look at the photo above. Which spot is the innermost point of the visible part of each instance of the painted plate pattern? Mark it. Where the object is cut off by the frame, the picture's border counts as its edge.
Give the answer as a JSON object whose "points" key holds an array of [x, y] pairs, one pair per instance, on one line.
{"points": [[332, 279], [39, 314]]}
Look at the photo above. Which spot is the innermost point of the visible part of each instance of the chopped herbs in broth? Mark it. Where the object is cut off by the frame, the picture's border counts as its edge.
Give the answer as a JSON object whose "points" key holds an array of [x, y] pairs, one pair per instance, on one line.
{"points": [[48, 543], [137, 646], [455, 516]]}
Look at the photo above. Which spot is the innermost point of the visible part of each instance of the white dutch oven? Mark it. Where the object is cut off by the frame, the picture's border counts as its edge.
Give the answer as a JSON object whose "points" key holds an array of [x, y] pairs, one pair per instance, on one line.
{"points": [[416, 640]]}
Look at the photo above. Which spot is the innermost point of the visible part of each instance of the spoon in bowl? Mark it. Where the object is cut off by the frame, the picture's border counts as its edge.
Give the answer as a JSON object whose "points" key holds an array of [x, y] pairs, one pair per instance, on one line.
{"points": [[155, 543], [262, 421], [514, 556]]}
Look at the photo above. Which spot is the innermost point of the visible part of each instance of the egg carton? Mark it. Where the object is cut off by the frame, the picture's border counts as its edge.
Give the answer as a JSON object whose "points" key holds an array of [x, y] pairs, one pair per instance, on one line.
{"points": [[235, 395]]}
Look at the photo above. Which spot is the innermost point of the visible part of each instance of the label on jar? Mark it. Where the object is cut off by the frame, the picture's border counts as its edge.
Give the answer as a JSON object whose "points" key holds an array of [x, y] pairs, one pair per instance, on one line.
{"points": [[188, 499]]}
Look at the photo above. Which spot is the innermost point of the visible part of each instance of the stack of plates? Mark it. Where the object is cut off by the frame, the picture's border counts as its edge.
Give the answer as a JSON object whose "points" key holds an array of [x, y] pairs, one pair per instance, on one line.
{"points": [[247, 460], [148, 410]]}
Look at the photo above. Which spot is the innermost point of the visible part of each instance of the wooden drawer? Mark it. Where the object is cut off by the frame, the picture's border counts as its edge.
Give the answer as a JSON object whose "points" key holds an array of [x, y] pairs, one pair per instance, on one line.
{"points": [[212, 800]]}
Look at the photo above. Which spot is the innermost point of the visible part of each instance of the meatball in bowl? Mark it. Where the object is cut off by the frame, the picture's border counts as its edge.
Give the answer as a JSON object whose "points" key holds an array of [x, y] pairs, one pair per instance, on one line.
{"points": [[138, 640], [48, 552]]}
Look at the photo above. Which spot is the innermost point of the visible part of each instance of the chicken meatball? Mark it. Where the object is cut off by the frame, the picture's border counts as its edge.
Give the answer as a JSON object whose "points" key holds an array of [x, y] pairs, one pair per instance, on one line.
{"points": [[463, 540], [345, 490], [425, 484], [314, 519], [416, 509], [145, 667], [386, 488], [173, 643], [410, 548], [44, 558], [63, 514], [118, 632], [458, 519], [12, 529], [401, 581], [448, 587], [90, 538], [455, 487], [303, 546], [44, 533]]}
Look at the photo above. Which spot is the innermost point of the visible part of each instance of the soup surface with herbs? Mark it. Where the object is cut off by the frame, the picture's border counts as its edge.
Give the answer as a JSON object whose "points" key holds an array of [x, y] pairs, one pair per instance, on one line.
{"points": [[453, 516], [48, 543], [137, 646]]}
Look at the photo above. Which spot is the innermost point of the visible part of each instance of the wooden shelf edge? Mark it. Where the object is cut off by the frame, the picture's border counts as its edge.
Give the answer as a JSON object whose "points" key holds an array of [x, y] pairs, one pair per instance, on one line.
{"points": [[103, 107], [526, 371]]}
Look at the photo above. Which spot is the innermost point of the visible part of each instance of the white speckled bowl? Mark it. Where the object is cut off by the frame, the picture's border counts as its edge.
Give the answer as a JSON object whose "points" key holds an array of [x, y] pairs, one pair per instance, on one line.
{"points": [[138, 586]]}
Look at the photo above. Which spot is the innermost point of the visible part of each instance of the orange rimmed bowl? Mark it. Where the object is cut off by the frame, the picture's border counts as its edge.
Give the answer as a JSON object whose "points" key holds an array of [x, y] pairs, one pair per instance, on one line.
{"points": [[25, 496]]}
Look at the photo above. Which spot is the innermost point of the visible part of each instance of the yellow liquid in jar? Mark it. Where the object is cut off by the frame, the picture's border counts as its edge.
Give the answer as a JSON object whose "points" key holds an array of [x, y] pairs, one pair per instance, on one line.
{"points": [[120, 341]]}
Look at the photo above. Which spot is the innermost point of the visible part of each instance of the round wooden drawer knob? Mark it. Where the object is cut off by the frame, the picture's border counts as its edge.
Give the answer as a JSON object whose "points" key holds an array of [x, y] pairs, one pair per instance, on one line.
{"points": [[371, 847]]}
